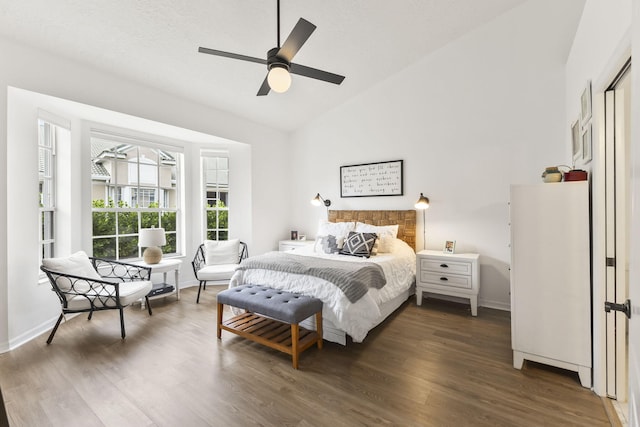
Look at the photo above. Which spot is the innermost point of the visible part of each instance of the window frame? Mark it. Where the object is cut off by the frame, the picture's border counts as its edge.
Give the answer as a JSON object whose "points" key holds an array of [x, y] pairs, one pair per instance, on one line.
{"points": [[47, 179], [115, 210], [215, 233]]}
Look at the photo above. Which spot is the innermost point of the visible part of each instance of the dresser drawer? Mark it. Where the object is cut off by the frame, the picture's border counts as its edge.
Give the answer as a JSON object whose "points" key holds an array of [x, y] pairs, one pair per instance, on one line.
{"points": [[449, 280], [445, 266]]}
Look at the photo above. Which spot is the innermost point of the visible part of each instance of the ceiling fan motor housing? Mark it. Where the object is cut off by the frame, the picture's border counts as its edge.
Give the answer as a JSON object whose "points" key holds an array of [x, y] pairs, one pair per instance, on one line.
{"points": [[273, 60]]}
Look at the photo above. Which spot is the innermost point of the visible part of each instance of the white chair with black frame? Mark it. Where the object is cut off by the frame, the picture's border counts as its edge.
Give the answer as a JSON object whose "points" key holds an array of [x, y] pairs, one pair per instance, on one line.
{"points": [[215, 262], [87, 284]]}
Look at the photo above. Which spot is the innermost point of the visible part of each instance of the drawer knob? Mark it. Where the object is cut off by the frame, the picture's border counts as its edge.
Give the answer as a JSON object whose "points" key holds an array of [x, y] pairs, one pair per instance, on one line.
{"points": [[444, 279], [444, 266]]}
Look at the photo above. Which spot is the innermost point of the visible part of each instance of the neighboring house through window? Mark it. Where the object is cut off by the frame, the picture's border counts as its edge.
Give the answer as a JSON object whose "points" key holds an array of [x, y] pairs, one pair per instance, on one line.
{"points": [[215, 168], [134, 185]]}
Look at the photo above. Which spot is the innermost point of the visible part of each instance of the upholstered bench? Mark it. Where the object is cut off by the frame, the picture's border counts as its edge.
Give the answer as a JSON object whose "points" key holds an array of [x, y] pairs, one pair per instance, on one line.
{"points": [[272, 318]]}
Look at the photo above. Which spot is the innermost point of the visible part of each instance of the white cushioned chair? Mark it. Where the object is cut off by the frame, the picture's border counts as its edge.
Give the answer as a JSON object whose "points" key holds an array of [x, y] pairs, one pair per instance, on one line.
{"points": [[86, 284], [215, 261]]}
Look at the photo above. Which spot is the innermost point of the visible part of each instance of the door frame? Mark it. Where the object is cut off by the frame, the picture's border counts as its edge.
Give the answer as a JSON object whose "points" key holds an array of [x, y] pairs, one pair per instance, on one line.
{"points": [[597, 176]]}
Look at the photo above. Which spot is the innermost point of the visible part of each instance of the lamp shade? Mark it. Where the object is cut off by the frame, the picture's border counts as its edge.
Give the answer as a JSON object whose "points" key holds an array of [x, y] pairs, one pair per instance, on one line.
{"points": [[422, 203], [150, 237]]}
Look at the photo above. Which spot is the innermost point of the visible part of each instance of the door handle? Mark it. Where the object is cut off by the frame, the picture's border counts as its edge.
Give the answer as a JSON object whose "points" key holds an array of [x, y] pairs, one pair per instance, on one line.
{"points": [[625, 307]]}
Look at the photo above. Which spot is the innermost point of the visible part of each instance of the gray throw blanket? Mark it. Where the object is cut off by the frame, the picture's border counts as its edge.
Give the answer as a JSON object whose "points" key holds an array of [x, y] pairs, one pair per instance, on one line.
{"points": [[353, 279]]}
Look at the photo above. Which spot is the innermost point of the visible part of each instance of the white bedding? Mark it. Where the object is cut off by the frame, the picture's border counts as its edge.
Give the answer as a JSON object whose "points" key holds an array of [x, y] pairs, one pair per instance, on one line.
{"points": [[358, 318]]}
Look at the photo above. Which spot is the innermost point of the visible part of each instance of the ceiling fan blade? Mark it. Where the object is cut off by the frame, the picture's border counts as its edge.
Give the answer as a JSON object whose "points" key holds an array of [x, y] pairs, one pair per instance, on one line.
{"points": [[314, 73], [296, 39], [231, 55], [264, 89]]}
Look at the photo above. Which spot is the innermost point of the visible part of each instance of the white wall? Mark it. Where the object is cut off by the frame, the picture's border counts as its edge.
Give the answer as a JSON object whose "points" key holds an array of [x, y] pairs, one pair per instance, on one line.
{"points": [[483, 112], [601, 46], [25, 68]]}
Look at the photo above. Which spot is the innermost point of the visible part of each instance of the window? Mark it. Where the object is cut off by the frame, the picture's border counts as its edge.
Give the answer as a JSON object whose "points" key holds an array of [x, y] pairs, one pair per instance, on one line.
{"points": [[133, 187], [216, 196], [47, 184]]}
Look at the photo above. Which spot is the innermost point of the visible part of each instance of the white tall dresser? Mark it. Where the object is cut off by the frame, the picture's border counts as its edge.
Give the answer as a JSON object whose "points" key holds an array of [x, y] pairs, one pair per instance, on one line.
{"points": [[550, 276]]}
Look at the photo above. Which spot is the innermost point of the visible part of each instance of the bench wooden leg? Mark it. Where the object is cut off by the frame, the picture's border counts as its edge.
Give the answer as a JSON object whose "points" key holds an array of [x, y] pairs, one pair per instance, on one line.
{"points": [[319, 328], [220, 309], [295, 352]]}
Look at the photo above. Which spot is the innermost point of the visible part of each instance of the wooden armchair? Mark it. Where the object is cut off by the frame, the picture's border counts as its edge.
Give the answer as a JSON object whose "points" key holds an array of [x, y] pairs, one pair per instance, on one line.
{"points": [[86, 284], [215, 262]]}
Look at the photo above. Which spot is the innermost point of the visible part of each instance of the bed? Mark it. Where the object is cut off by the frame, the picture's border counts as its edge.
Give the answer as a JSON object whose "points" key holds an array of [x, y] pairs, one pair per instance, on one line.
{"points": [[308, 270]]}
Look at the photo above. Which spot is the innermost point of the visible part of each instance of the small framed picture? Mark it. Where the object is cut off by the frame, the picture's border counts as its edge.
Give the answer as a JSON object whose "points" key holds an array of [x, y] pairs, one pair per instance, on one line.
{"points": [[576, 141], [587, 144], [294, 235], [585, 104], [449, 247], [302, 237]]}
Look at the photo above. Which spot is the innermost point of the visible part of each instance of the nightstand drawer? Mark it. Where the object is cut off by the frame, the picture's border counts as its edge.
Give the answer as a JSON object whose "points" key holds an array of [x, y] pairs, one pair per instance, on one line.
{"points": [[449, 280], [445, 266]]}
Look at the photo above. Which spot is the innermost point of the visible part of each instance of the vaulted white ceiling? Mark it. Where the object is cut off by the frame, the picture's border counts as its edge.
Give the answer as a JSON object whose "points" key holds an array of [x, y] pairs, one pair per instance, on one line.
{"points": [[155, 42]]}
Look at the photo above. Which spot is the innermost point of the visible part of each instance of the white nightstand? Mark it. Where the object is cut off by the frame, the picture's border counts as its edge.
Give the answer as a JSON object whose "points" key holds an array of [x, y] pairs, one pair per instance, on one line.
{"points": [[455, 275], [163, 289], [289, 245]]}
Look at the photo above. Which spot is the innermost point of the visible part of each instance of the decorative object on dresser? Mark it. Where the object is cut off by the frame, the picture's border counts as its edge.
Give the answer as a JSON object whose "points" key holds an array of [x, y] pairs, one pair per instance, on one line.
{"points": [[552, 174], [289, 245], [294, 235], [372, 179], [550, 276], [456, 275], [449, 247], [216, 261], [152, 239], [423, 204]]}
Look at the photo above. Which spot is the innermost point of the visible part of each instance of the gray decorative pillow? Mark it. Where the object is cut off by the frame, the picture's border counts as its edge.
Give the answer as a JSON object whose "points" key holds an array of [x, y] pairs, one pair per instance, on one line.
{"points": [[359, 244], [329, 244]]}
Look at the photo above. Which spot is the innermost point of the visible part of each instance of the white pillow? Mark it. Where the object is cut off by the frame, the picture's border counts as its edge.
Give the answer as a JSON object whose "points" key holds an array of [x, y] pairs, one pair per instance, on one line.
{"points": [[386, 234], [76, 264], [221, 251], [338, 229]]}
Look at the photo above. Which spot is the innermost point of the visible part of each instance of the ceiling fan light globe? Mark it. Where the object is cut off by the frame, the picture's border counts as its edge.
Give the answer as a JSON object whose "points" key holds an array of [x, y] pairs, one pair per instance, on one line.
{"points": [[279, 79]]}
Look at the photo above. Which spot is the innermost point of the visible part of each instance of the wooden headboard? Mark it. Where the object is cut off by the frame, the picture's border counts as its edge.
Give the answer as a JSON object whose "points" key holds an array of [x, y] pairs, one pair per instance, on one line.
{"points": [[406, 221]]}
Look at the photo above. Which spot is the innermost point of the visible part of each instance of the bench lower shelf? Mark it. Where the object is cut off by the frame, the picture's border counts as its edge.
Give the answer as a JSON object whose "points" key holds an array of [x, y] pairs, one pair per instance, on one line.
{"points": [[287, 338]]}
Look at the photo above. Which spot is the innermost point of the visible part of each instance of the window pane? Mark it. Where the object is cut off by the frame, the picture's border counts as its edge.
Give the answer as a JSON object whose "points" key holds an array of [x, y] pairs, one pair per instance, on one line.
{"points": [[170, 247], [150, 219], [47, 250], [104, 224], [212, 219], [47, 225], [223, 219], [128, 247], [168, 221], [212, 235], [104, 248], [127, 223], [223, 235]]}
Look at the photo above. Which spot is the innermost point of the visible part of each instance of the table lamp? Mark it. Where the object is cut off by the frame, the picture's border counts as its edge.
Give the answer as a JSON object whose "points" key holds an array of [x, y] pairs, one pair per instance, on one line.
{"points": [[152, 239]]}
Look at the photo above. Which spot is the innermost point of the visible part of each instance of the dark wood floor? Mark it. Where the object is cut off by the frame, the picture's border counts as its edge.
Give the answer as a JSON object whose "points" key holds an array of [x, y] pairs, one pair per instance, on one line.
{"points": [[433, 365]]}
